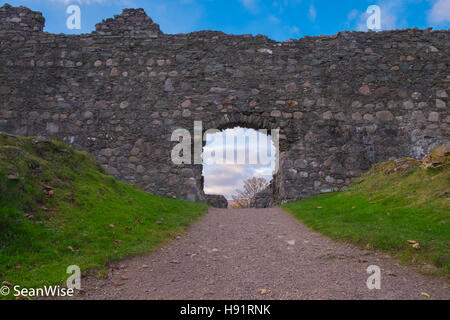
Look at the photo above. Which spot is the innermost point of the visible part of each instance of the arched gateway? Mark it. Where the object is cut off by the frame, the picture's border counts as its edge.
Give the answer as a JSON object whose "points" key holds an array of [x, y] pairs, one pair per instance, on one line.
{"points": [[342, 102]]}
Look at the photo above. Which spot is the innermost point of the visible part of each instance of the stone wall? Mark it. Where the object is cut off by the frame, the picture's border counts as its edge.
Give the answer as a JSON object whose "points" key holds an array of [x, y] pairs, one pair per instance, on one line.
{"points": [[265, 198], [20, 19], [216, 201], [342, 102]]}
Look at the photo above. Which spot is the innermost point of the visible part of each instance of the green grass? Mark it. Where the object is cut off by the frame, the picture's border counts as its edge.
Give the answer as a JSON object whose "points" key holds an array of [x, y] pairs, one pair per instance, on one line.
{"points": [[65, 210], [394, 202]]}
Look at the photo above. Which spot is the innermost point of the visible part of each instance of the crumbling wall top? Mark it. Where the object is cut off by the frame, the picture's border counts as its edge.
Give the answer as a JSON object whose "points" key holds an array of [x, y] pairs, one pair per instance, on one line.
{"points": [[20, 19], [130, 22]]}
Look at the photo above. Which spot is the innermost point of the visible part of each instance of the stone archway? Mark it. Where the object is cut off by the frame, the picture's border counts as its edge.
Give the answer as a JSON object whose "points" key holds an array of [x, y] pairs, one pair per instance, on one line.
{"points": [[230, 120], [235, 153]]}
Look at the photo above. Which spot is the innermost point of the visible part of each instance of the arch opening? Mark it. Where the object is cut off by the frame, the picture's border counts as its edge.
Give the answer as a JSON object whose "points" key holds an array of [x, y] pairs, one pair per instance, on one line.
{"points": [[238, 162]]}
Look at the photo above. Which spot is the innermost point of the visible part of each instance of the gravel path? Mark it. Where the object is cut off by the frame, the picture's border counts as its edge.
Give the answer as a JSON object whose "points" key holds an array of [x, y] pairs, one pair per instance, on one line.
{"points": [[259, 254]]}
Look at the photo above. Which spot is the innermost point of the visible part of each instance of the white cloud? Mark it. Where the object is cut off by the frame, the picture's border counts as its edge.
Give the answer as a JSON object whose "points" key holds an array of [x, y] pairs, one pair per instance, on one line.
{"points": [[225, 179], [295, 31], [251, 5], [282, 5], [391, 16], [274, 19], [244, 144], [263, 172], [353, 14], [312, 14], [227, 191], [440, 12]]}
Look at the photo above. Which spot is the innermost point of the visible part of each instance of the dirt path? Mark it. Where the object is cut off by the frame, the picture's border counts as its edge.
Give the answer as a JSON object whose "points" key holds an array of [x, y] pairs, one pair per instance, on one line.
{"points": [[234, 254]]}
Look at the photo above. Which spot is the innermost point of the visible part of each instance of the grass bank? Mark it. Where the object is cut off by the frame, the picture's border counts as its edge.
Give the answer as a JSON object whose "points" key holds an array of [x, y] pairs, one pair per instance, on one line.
{"points": [[59, 208], [394, 202]]}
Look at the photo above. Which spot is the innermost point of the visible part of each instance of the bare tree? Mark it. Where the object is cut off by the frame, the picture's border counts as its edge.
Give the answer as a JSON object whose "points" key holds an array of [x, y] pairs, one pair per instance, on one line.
{"points": [[252, 186]]}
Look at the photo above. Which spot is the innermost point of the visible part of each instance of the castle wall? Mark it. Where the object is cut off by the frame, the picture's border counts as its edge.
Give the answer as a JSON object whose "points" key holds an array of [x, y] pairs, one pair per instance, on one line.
{"points": [[342, 102]]}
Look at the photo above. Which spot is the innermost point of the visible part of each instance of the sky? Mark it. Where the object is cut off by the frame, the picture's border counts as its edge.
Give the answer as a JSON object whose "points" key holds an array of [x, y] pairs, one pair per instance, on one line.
{"points": [[278, 19], [226, 179]]}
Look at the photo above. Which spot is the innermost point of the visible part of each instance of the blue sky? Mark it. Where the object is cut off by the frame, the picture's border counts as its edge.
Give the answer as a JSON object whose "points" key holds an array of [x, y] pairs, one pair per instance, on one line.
{"points": [[279, 19]]}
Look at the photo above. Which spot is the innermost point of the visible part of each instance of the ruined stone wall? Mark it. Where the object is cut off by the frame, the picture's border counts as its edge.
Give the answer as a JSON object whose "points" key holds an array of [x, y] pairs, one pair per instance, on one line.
{"points": [[342, 102], [216, 201]]}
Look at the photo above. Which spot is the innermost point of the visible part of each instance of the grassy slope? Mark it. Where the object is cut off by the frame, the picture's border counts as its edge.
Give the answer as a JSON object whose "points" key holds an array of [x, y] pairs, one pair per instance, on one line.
{"points": [[394, 202], [71, 202]]}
